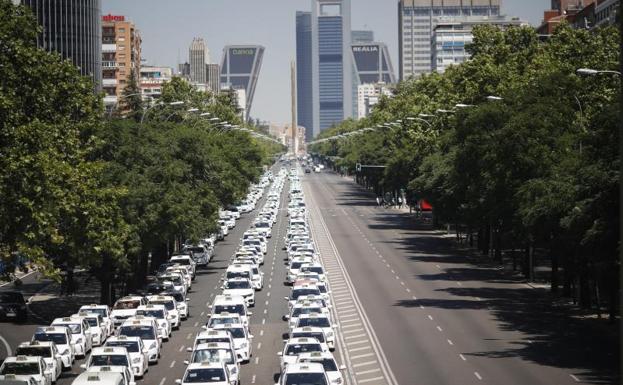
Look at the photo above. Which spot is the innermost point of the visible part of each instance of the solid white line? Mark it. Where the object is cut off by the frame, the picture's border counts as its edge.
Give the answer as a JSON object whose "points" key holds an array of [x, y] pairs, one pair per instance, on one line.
{"points": [[368, 371], [20, 278], [369, 379], [361, 348], [365, 341], [355, 336], [351, 326], [352, 331], [361, 356]]}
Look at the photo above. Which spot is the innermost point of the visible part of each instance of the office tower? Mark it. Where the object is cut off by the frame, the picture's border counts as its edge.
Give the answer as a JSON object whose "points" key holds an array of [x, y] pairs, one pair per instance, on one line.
{"points": [[331, 63], [152, 79], [372, 63], [450, 38], [416, 22], [198, 57], [121, 56], [240, 69], [74, 32], [183, 70], [304, 92], [362, 36], [213, 72]]}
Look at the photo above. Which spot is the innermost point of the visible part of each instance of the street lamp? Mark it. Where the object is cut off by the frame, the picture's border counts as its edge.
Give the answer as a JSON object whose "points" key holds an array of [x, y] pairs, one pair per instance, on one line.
{"points": [[593, 72], [493, 98], [442, 111], [204, 114], [175, 103], [426, 116], [412, 118], [192, 110], [461, 105]]}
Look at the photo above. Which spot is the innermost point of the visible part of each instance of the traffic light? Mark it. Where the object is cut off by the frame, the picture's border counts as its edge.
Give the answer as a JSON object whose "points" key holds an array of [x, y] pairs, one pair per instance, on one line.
{"points": [[358, 167]]}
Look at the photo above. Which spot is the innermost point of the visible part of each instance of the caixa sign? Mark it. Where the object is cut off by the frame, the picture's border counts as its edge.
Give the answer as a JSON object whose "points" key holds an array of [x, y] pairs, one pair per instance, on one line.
{"points": [[113, 18], [243, 51]]}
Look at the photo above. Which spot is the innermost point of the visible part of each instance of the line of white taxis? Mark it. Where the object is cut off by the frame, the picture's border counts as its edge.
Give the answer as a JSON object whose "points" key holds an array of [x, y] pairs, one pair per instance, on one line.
{"points": [[307, 356], [120, 342], [226, 340]]}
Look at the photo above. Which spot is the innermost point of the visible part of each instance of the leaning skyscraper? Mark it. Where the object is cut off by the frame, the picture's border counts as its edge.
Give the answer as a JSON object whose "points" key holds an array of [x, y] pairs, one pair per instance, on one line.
{"points": [[240, 69]]}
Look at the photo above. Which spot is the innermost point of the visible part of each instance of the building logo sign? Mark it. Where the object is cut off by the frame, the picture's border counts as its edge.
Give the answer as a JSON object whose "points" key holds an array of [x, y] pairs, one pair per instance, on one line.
{"points": [[365, 48], [243, 51], [110, 17]]}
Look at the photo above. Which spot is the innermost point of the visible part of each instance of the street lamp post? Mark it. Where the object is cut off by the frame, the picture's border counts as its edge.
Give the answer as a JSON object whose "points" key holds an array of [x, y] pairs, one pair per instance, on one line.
{"points": [[593, 72], [175, 103]]}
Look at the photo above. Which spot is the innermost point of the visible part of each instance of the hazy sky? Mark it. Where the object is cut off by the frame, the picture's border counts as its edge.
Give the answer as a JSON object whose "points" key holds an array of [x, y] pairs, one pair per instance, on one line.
{"points": [[168, 27]]}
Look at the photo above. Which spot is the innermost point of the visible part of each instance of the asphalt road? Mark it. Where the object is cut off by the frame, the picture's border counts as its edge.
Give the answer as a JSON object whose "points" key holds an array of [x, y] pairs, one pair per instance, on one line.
{"points": [[410, 310], [439, 319]]}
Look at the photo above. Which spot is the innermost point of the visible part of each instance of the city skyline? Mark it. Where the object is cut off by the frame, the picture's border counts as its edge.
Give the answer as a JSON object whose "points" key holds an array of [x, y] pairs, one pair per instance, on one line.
{"points": [[165, 42]]}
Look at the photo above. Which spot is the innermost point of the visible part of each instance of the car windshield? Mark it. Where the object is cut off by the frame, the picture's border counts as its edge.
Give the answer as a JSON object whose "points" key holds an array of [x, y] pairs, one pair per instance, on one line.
{"points": [[296, 265], [11, 298], [222, 321], [74, 328], [41, 351], [237, 332], [299, 292], [212, 339], [168, 304], [295, 349], [128, 304], [131, 346], [318, 336], [193, 250], [306, 379], [320, 322], [213, 355], [57, 338], [109, 360], [101, 312], [91, 321], [176, 279], [151, 313], [238, 309], [143, 332], [238, 285], [305, 310], [313, 269], [20, 368], [179, 297], [204, 375]]}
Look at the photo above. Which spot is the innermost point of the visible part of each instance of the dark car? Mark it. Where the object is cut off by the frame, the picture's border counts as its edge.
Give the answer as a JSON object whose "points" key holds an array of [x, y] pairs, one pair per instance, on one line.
{"points": [[158, 287], [307, 171], [13, 306]]}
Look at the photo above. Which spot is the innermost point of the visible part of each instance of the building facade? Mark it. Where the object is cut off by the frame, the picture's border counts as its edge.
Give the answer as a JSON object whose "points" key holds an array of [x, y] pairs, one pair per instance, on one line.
{"points": [[416, 23], [304, 92], [368, 95], [74, 30], [606, 12], [213, 73], [198, 57], [240, 69], [331, 63], [152, 79], [121, 56], [450, 38]]}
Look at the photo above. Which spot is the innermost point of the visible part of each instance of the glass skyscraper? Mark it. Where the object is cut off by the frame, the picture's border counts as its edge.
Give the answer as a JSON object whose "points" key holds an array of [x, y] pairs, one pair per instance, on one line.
{"points": [[331, 63], [304, 92], [73, 28], [240, 69], [416, 22]]}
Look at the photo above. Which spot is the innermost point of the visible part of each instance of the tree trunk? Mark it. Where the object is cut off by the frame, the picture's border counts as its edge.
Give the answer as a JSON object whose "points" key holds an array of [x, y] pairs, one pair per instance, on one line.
{"points": [[498, 245], [554, 274]]}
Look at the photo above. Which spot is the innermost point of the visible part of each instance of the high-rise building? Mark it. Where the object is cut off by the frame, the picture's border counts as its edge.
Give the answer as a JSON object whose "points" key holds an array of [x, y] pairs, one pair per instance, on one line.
{"points": [[304, 92], [368, 95], [331, 63], [240, 69], [198, 56], [121, 56], [606, 12], [213, 72], [372, 63], [152, 79], [362, 36], [183, 70], [73, 30], [450, 38], [416, 23]]}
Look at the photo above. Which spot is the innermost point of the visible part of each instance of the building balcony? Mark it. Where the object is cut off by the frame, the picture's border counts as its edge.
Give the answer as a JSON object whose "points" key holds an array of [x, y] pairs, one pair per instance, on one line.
{"points": [[109, 82], [109, 64], [109, 47]]}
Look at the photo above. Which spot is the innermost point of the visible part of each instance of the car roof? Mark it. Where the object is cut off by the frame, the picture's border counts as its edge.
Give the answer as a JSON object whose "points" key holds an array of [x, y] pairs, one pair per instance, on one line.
{"points": [[213, 345], [22, 359], [98, 378], [301, 341], [304, 368], [206, 365], [106, 350]]}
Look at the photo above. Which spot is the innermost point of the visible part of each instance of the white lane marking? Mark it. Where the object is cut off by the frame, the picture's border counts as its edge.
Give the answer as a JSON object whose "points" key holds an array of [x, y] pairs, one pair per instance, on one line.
{"points": [[6, 346], [574, 378], [352, 331], [253, 379], [266, 303], [364, 341], [181, 348], [263, 321], [257, 360], [450, 342], [202, 313], [430, 317], [369, 380], [351, 326], [21, 278], [172, 364], [270, 286], [477, 375], [196, 324], [265, 311], [189, 335], [207, 303], [408, 290], [259, 345], [364, 363], [358, 349], [355, 336], [459, 283], [402, 283], [463, 357], [162, 381], [439, 328], [439, 267], [361, 356], [262, 332], [368, 371]]}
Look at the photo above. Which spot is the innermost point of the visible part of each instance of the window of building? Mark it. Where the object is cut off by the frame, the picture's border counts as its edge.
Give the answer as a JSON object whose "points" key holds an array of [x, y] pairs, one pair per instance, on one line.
{"points": [[121, 38], [121, 30]]}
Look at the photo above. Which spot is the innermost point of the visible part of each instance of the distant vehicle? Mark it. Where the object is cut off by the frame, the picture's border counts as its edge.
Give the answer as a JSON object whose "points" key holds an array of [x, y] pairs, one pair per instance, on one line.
{"points": [[307, 170], [13, 306]]}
